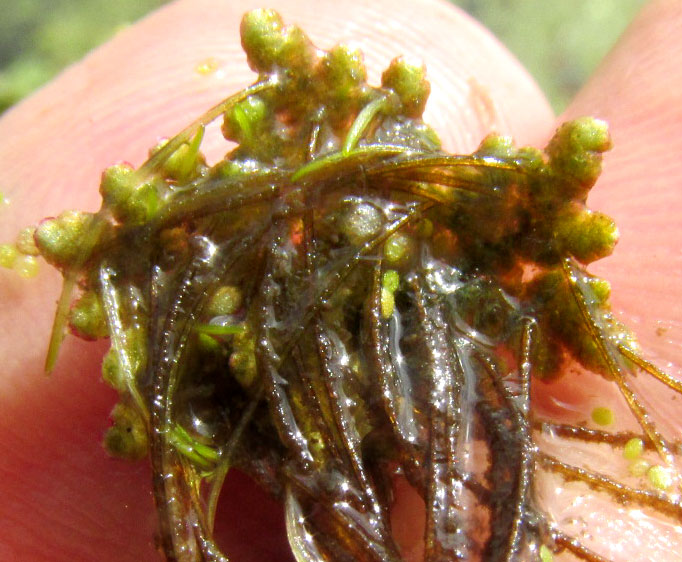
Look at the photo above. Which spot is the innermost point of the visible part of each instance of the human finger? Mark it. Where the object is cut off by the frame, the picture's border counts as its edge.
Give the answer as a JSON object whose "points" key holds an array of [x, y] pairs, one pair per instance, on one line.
{"points": [[638, 90], [113, 106]]}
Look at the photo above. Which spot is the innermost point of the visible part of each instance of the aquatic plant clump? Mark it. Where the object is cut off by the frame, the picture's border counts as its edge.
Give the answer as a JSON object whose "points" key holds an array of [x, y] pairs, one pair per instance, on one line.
{"points": [[338, 304]]}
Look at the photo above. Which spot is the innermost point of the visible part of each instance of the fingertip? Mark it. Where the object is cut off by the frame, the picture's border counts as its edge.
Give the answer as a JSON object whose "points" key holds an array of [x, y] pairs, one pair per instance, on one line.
{"points": [[638, 90], [149, 82]]}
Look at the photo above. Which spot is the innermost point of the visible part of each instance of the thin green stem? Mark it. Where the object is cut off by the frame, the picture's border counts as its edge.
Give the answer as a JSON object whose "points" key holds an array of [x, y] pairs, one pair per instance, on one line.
{"points": [[150, 167], [362, 121]]}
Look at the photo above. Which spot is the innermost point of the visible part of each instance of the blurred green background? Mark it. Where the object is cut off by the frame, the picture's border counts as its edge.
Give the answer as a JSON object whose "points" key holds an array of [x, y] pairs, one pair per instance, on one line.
{"points": [[559, 41]]}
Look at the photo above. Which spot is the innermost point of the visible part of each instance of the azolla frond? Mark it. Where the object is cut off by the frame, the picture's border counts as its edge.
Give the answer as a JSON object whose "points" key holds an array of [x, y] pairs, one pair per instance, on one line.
{"points": [[338, 305]]}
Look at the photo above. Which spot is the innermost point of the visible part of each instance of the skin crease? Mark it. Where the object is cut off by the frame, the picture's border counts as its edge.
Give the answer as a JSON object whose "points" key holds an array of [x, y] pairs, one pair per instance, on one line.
{"points": [[63, 498]]}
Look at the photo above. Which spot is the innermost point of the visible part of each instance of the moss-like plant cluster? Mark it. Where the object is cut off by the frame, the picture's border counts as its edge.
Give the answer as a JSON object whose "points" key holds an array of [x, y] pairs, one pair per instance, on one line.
{"points": [[337, 300]]}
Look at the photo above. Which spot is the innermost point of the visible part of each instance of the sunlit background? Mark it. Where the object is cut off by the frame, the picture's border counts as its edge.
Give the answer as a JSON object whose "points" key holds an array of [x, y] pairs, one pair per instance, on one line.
{"points": [[559, 41]]}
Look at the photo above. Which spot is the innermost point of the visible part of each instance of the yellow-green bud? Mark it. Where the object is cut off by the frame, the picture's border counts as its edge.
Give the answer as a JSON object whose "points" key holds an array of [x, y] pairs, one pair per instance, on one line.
{"points": [[390, 280], [127, 438], [601, 289], [343, 72], [587, 133], [633, 449], [530, 157], [602, 415], [26, 243], [398, 249], [26, 266], [660, 477], [387, 303], [243, 367], [360, 222], [498, 146], [117, 184], [575, 153], [129, 201], [87, 318], [245, 121], [586, 235], [409, 82], [262, 33], [8, 255], [226, 300], [58, 239], [269, 44]]}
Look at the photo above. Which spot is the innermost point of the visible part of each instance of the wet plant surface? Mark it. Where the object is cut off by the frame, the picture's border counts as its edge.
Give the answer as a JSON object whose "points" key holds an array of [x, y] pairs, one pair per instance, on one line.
{"points": [[339, 306]]}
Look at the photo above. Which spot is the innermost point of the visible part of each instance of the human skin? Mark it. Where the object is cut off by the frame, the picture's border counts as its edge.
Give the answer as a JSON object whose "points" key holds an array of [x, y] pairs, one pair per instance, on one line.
{"points": [[63, 498]]}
